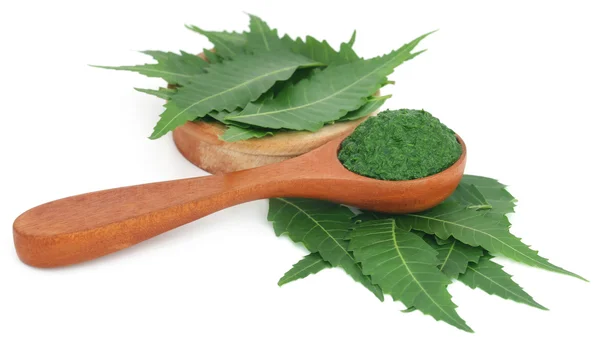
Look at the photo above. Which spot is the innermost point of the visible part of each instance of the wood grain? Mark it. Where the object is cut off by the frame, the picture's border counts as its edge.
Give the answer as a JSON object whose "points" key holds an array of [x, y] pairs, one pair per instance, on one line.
{"points": [[91, 225], [199, 143]]}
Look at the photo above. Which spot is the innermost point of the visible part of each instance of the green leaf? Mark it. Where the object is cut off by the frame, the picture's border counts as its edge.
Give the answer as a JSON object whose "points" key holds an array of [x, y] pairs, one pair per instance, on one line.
{"points": [[163, 93], [347, 54], [475, 228], [350, 43], [469, 196], [236, 133], [490, 277], [495, 193], [368, 215], [321, 226], [405, 267], [454, 256], [172, 67], [227, 86], [320, 50], [212, 57], [299, 75], [310, 264], [372, 105], [261, 37], [227, 44], [327, 96], [221, 115]]}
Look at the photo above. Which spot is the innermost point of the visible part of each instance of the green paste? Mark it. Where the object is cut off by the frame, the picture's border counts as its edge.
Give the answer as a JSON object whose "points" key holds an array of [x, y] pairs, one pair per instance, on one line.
{"points": [[402, 144]]}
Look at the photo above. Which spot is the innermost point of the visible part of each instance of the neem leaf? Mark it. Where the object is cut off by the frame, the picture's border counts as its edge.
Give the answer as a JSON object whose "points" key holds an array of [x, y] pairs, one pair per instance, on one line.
{"points": [[235, 133], [350, 43], [347, 54], [227, 44], [327, 96], [163, 93], [469, 196], [320, 50], [299, 75], [489, 276], [261, 37], [475, 228], [221, 115], [309, 264], [372, 105], [494, 192], [321, 226], [172, 67], [405, 267], [228, 85], [211, 56], [454, 256]]}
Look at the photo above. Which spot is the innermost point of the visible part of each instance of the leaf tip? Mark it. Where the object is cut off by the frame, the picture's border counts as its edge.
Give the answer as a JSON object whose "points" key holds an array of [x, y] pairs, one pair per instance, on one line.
{"points": [[409, 309], [541, 307], [467, 329], [252, 16], [155, 135], [101, 66], [352, 39], [563, 271]]}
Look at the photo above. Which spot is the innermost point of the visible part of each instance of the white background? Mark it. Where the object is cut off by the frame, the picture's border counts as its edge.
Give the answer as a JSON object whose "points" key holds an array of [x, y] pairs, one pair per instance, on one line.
{"points": [[518, 80]]}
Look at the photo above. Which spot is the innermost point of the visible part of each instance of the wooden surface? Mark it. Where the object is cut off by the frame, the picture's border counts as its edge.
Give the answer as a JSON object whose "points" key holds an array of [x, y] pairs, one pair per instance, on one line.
{"points": [[199, 143], [91, 225]]}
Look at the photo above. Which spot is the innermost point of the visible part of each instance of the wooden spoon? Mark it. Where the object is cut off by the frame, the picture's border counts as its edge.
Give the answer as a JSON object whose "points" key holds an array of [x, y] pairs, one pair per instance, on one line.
{"points": [[83, 227]]}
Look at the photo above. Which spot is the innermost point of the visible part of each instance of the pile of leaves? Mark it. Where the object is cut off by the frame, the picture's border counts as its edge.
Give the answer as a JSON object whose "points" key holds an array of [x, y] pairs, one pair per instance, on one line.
{"points": [[414, 257], [257, 83]]}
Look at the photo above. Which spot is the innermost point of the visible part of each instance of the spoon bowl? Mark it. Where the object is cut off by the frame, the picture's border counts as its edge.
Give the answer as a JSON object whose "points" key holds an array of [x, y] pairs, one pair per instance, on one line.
{"points": [[87, 226]]}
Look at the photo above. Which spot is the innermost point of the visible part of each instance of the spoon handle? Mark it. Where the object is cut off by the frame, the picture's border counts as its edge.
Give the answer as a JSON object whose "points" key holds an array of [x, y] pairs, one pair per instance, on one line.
{"points": [[87, 226]]}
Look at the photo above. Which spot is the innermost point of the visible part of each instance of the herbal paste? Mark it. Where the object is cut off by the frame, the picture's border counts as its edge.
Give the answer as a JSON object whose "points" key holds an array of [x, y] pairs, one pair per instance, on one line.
{"points": [[401, 144]]}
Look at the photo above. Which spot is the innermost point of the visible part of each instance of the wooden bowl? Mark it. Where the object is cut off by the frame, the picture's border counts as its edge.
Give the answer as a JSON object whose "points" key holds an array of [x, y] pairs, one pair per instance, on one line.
{"points": [[199, 143]]}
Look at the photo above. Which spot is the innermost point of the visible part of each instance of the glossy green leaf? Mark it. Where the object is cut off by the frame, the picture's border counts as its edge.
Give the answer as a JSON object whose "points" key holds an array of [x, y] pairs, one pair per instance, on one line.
{"points": [[227, 44], [475, 228], [236, 133], [347, 54], [494, 193], [309, 264], [320, 50], [163, 93], [211, 56], [261, 37], [228, 85], [489, 277], [372, 105], [322, 227], [454, 256], [220, 115], [327, 96], [405, 267], [469, 196], [172, 67]]}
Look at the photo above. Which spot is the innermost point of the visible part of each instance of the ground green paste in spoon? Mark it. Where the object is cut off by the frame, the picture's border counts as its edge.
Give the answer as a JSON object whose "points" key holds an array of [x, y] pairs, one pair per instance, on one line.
{"points": [[402, 144]]}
